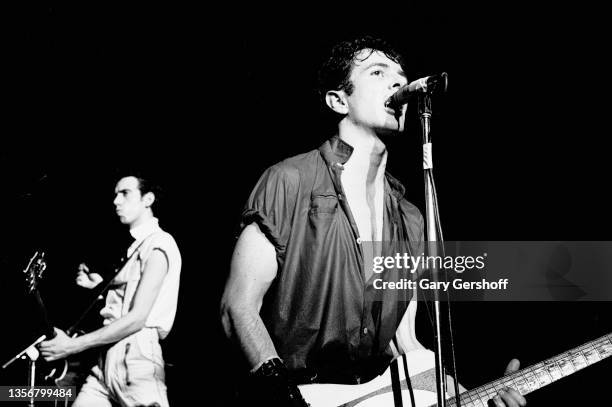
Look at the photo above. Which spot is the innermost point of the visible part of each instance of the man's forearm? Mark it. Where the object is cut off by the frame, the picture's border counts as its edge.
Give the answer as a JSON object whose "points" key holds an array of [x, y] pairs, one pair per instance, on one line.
{"points": [[114, 332], [269, 382], [246, 327]]}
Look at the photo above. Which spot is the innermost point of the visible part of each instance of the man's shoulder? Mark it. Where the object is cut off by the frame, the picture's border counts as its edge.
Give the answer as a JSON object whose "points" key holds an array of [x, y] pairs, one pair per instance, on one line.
{"points": [[162, 239], [412, 219], [293, 168], [409, 208], [411, 211]]}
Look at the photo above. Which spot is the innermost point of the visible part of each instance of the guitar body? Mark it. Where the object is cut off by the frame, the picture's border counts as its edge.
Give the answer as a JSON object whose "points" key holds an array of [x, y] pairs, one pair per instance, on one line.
{"points": [[378, 392], [56, 371], [71, 371]]}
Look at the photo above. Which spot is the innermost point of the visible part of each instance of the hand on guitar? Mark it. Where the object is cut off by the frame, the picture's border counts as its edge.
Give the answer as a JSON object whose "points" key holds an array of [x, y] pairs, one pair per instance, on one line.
{"points": [[271, 385], [87, 279], [510, 397], [59, 347]]}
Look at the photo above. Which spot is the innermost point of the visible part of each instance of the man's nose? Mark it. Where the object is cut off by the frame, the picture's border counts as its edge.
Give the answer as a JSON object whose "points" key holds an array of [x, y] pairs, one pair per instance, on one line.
{"points": [[397, 82], [117, 200]]}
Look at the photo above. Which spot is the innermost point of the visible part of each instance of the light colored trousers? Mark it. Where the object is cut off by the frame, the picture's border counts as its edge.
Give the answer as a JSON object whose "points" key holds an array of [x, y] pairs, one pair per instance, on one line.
{"points": [[130, 374]]}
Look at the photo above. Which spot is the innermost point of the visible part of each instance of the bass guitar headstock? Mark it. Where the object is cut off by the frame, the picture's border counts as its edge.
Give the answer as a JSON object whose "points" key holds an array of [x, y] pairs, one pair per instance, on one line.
{"points": [[34, 271]]}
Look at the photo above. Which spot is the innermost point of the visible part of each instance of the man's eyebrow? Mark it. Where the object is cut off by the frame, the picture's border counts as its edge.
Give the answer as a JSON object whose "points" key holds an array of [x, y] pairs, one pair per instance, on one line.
{"points": [[384, 65], [123, 191]]}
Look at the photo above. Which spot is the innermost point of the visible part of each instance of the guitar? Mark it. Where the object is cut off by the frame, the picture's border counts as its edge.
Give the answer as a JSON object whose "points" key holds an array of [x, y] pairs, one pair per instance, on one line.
{"points": [[420, 364], [57, 370]]}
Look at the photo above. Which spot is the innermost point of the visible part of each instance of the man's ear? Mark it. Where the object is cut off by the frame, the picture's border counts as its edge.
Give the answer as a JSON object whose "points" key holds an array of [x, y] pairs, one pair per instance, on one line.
{"points": [[149, 198], [336, 100]]}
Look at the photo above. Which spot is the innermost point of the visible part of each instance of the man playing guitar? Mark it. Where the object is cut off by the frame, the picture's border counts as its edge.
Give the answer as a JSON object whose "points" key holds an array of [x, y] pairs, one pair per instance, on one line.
{"points": [[299, 299], [139, 310]]}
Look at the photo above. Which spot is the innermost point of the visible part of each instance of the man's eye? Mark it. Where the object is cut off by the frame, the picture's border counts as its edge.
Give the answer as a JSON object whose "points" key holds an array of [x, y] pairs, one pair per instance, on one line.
{"points": [[377, 72]]}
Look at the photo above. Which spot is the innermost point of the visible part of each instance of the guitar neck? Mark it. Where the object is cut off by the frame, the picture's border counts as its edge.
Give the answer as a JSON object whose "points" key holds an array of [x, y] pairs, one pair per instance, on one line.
{"points": [[49, 331], [539, 375]]}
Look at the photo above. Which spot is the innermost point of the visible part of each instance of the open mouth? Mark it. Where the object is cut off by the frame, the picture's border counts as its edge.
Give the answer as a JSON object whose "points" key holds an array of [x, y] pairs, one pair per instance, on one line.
{"points": [[395, 111]]}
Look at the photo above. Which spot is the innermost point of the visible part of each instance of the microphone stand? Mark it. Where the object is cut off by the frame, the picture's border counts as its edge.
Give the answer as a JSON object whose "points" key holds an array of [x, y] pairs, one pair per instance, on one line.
{"points": [[31, 353], [433, 226]]}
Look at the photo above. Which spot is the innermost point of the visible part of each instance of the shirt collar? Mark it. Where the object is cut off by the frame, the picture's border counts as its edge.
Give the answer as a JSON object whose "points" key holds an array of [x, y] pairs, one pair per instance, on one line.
{"points": [[145, 229], [336, 152]]}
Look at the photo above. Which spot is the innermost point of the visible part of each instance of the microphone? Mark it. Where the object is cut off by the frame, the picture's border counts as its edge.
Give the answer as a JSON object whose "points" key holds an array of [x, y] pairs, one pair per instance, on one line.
{"points": [[428, 84]]}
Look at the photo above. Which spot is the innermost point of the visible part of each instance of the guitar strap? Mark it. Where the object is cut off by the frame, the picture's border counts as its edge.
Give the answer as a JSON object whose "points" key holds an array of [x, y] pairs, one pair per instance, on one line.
{"points": [[394, 373], [408, 381], [396, 385], [104, 289]]}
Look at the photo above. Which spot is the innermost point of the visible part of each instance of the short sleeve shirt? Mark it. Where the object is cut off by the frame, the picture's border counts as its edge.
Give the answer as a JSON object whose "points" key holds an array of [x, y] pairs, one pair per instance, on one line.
{"points": [[148, 237], [320, 311]]}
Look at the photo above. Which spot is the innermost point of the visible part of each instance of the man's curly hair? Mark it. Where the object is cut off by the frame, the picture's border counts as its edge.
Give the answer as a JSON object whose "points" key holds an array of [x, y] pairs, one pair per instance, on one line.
{"points": [[336, 70]]}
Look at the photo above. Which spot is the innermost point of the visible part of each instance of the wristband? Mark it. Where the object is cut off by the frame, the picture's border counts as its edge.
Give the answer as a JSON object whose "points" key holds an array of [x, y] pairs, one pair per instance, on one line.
{"points": [[274, 373], [266, 362]]}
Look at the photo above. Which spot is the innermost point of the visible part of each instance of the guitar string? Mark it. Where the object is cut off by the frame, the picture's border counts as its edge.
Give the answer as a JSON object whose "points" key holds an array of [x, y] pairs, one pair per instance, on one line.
{"points": [[529, 376]]}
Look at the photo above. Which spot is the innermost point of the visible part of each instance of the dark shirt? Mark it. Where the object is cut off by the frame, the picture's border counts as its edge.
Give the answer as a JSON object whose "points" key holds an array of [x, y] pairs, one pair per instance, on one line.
{"points": [[323, 317]]}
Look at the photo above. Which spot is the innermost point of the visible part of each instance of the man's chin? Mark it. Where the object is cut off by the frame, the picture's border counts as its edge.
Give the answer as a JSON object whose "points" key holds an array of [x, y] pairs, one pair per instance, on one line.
{"points": [[389, 132]]}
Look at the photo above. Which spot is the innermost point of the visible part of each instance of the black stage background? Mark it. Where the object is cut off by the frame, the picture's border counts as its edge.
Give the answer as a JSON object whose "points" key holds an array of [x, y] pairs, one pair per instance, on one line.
{"points": [[206, 100]]}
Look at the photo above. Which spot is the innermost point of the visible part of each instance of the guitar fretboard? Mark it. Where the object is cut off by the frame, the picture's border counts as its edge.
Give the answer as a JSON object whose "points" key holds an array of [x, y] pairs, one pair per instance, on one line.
{"points": [[539, 375]]}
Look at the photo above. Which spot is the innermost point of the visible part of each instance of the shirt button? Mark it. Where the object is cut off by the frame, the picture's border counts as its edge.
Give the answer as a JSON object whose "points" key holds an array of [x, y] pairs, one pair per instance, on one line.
{"points": [[365, 331], [358, 240]]}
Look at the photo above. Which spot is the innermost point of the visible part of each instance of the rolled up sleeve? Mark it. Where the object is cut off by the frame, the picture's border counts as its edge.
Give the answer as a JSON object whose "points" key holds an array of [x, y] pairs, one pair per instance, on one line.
{"points": [[272, 205]]}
